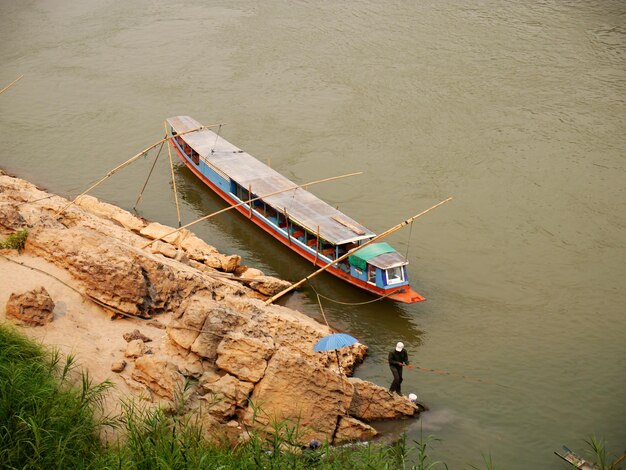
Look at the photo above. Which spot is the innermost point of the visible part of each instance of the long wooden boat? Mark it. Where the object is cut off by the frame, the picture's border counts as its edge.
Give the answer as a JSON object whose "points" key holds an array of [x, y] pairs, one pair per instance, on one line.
{"points": [[312, 228]]}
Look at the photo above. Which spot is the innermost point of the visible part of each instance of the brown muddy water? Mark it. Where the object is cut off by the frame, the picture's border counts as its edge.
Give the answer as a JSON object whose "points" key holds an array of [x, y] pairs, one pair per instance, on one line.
{"points": [[517, 109]]}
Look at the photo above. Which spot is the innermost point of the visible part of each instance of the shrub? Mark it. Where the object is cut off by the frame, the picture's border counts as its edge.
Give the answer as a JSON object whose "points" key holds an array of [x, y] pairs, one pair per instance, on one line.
{"points": [[15, 241]]}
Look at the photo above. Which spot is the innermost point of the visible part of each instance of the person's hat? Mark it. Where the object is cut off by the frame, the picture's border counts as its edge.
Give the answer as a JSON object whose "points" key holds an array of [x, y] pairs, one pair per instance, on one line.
{"points": [[412, 397], [399, 346]]}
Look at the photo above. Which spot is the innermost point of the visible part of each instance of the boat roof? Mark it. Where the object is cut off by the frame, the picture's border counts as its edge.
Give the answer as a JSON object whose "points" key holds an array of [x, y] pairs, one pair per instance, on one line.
{"points": [[381, 255], [388, 260], [301, 206]]}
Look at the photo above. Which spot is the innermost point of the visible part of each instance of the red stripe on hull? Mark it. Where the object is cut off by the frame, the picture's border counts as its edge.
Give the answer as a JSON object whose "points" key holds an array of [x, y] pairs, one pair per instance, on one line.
{"points": [[403, 294]]}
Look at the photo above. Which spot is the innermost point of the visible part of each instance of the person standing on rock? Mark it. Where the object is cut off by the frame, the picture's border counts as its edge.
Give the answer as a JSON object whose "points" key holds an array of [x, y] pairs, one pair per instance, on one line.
{"points": [[398, 358]]}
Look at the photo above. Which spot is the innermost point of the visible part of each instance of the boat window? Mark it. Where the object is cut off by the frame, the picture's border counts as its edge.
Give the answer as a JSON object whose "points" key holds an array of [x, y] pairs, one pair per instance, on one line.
{"points": [[328, 250], [281, 221], [371, 274], [297, 231], [395, 275], [195, 157], [243, 193]]}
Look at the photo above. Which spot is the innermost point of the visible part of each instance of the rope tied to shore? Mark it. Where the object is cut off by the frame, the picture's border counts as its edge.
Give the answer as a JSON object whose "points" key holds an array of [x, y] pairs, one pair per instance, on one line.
{"points": [[351, 303]]}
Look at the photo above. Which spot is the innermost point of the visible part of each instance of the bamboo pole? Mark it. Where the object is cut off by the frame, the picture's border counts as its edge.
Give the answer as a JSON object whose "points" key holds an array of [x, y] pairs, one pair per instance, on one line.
{"points": [[128, 162], [11, 84], [332, 178], [354, 250], [140, 196], [169, 152]]}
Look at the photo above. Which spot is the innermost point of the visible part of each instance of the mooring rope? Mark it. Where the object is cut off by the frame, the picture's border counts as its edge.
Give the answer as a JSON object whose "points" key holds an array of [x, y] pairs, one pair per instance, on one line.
{"points": [[408, 243], [31, 202], [322, 310], [351, 303]]}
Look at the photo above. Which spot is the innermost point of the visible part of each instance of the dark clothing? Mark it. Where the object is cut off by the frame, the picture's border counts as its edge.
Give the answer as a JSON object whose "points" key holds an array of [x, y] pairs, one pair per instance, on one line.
{"points": [[396, 360]]}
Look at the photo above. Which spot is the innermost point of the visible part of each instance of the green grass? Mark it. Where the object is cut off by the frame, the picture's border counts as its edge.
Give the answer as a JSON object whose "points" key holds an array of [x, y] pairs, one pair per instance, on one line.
{"points": [[598, 454], [15, 241], [45, 421]]}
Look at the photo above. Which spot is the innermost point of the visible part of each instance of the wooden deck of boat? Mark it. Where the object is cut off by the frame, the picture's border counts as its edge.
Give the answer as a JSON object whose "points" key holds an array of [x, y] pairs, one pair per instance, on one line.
{"points": [[301, 206]]}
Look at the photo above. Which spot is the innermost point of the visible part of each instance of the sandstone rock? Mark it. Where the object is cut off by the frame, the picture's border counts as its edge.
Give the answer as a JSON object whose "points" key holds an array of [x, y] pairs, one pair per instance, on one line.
{"points": [[156, 230], [197, 249], [182, 257], [218, 323], [116, 274], [188, 363], [293, 330], [230, 263], [16, 215], [136, 334], [208, 377], [34, 307], [118, 366], [226, 394], [159, 375], [200, 324], [214, 261], [268, 285], [129, 221], [243, 356], [187, 324], [228, 288], [11, 218], [351, 429], [94, 206], [295, 388], [249, 273], [156, 323], [373, 402], [135, 348], [351, 357], [298, 332], [103, 209], [165, 249]]}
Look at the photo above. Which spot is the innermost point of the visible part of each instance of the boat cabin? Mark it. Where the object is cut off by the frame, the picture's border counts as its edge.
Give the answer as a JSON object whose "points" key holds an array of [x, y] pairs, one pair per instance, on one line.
{"points": [[379, 264]]}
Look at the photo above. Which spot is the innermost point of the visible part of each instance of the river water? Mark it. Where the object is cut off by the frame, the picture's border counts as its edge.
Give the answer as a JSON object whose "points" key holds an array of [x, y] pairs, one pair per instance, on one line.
{"points": [[517, 109]]}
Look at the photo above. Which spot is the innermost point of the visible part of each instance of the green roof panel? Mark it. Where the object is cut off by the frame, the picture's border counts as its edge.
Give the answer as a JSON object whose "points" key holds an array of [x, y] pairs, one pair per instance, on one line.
{"points": [[359, 259]]}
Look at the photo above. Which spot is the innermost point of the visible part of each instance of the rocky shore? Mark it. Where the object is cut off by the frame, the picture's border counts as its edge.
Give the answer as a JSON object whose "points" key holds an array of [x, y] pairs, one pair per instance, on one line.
{"points": [[176, 318]]}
